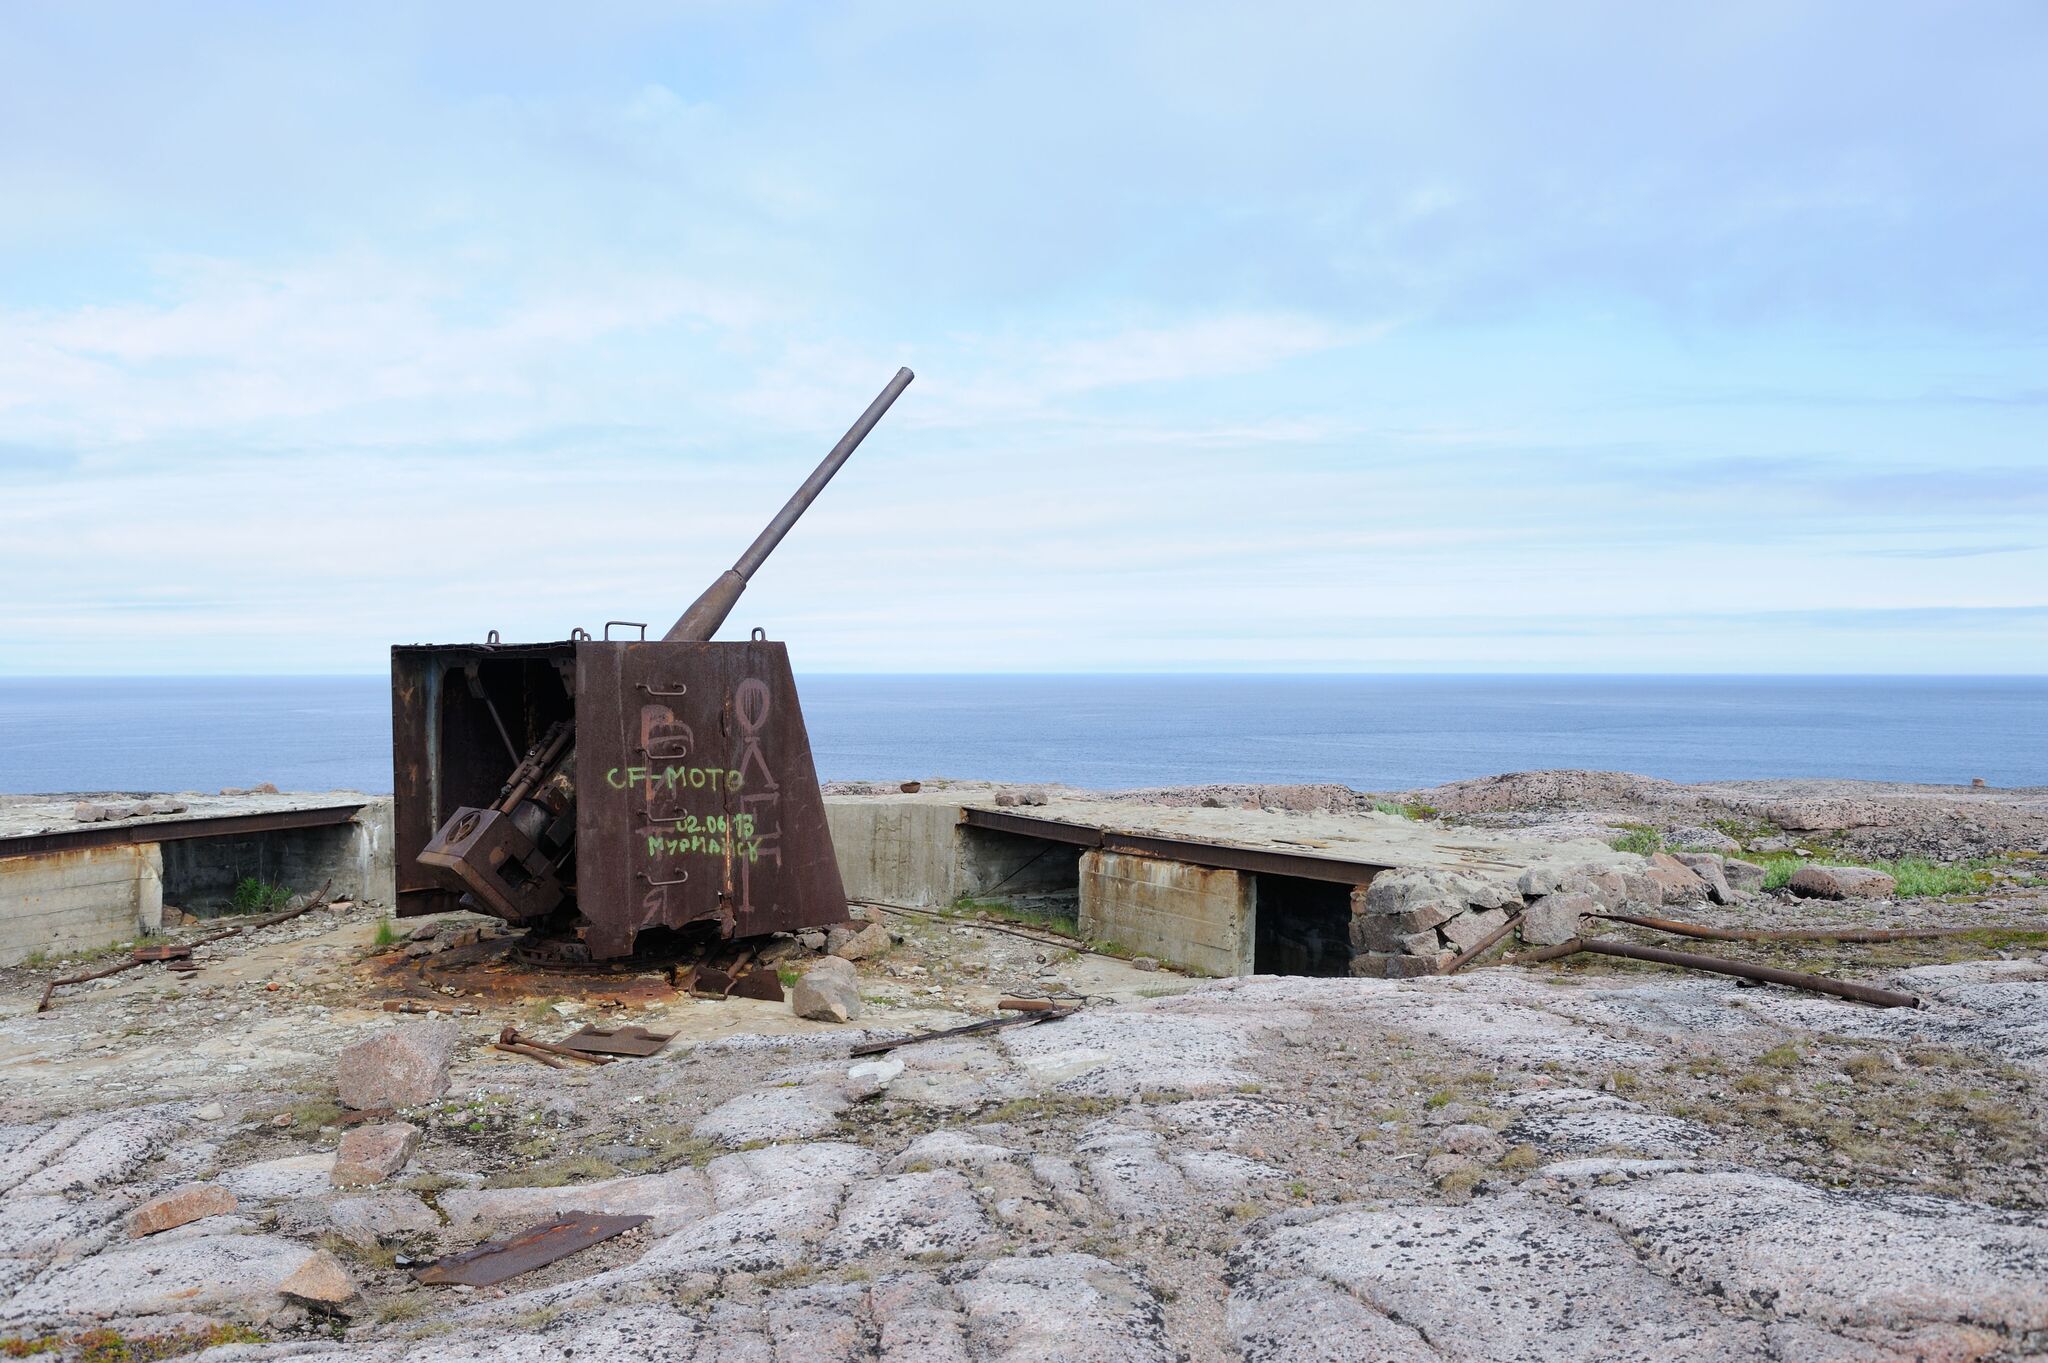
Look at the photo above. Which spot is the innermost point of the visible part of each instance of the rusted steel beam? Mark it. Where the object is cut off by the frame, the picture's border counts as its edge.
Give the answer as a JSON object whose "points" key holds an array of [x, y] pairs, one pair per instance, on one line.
{"points": [[1224, 856], [1713, 934], [1052, 830], [175, 829]]}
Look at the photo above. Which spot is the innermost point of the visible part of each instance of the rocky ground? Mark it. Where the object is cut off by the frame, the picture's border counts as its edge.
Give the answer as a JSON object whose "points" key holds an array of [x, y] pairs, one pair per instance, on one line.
{"points": [[1591, 1159]]}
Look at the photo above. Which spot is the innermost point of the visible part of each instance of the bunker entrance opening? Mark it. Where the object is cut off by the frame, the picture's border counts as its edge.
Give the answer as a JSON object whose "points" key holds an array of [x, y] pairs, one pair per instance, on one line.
{"points": [[1032, 877], [207, 877], [1302, 927]]}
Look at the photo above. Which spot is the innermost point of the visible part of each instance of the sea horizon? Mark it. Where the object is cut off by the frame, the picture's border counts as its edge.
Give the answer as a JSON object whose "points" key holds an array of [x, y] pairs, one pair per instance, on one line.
{"points": [[1371, 731]]}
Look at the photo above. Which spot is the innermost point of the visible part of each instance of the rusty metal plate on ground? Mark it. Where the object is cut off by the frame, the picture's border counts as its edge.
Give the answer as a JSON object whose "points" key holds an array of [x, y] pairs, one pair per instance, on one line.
{"points": [[616, 1041], [173, 952], [757, 984], [494, 1262], [697, 798]]}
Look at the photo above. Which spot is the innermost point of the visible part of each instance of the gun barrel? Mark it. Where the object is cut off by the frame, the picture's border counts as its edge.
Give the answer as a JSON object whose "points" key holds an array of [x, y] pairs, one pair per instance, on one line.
{"points": [[709, 611]]}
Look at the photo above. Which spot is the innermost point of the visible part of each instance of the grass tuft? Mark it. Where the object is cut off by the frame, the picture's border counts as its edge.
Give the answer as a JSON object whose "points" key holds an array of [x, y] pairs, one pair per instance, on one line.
{"points": [[1640, 839], [1917, 877], [556, 1173], [252, 895], [111, 1346]]}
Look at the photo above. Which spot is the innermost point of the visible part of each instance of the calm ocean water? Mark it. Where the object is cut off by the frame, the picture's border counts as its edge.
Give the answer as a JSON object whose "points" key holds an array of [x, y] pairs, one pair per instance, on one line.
{"points": [[1375, 733]]}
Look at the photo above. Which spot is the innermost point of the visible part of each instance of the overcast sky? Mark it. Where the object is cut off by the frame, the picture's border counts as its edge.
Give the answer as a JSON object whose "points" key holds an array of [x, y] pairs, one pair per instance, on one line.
{"points": [[1616, 338]]}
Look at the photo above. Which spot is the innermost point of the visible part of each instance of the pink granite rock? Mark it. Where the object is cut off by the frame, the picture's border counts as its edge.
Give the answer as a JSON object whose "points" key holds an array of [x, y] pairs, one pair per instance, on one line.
{"points": [[403, 1066], [371, 1154], [179, 1207]]}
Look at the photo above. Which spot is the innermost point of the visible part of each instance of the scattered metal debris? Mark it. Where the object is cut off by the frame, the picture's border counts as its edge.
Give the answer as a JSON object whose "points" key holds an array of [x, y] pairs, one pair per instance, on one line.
{"points": [[178, 952], [511, 1039], [1030, 1019], [427, 1006], [615, 1041], [542, 1056], [492, 1263]]}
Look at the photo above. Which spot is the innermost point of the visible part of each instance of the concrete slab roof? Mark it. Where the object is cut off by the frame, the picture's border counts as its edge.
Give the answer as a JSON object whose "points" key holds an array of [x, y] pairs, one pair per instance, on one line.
{"points": [[31, 823], [1367, 840]]}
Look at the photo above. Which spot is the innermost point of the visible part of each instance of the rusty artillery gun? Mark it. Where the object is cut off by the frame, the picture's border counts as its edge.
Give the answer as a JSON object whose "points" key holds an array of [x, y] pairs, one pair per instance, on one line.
{"points": [[592, 788]]}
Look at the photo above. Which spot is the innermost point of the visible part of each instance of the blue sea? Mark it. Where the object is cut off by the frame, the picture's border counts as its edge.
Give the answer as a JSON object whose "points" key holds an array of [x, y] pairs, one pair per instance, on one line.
{"points": [[1370, 732]]}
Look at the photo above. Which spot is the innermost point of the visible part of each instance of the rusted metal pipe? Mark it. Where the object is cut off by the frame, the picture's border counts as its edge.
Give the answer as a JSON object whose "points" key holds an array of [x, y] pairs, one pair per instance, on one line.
{"points": [[1484, 945], [1542, 954], [1820, 984], [512, 1036], [531, 1054], [1713, 934]]}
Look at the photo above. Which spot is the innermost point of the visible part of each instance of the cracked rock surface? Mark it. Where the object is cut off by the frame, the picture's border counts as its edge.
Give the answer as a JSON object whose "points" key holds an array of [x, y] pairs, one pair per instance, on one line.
{"points": [[1583, 1161]]}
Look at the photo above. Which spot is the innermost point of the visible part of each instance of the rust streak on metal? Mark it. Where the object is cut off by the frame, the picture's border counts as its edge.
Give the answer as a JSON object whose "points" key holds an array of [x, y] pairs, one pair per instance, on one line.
{"points": [[537, 1247]]}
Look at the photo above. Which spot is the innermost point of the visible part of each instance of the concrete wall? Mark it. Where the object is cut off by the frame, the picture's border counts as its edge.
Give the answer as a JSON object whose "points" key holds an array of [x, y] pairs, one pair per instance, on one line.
{"points": [[898, 851], [1190, 916], [75, 901]]}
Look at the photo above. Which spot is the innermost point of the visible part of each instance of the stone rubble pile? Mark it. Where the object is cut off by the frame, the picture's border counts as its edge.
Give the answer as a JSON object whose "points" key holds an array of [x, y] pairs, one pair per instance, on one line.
{"points": [[1410, 922]]}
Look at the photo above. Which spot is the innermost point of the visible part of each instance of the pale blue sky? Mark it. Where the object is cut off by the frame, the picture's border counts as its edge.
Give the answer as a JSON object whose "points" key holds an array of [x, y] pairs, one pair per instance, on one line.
{"points": [[1582, 337]]}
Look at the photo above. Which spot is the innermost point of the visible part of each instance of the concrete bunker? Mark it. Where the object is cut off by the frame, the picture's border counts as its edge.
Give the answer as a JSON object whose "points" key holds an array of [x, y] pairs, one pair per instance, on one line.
{"points": [[70, 884]]}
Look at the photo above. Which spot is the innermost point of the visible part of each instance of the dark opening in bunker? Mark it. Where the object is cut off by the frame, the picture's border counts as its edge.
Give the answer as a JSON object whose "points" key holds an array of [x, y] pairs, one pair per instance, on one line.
{"points": [[1031, 877], [201, 874], [1303, 927]]}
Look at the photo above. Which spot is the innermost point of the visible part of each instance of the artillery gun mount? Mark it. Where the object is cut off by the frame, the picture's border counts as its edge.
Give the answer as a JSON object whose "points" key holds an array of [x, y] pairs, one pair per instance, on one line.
{"points": [[591, 789]]}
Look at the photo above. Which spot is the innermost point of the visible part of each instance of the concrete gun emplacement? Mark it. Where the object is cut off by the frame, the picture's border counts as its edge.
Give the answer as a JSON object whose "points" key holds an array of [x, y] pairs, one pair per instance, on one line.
{"points": [[593, 789]]}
